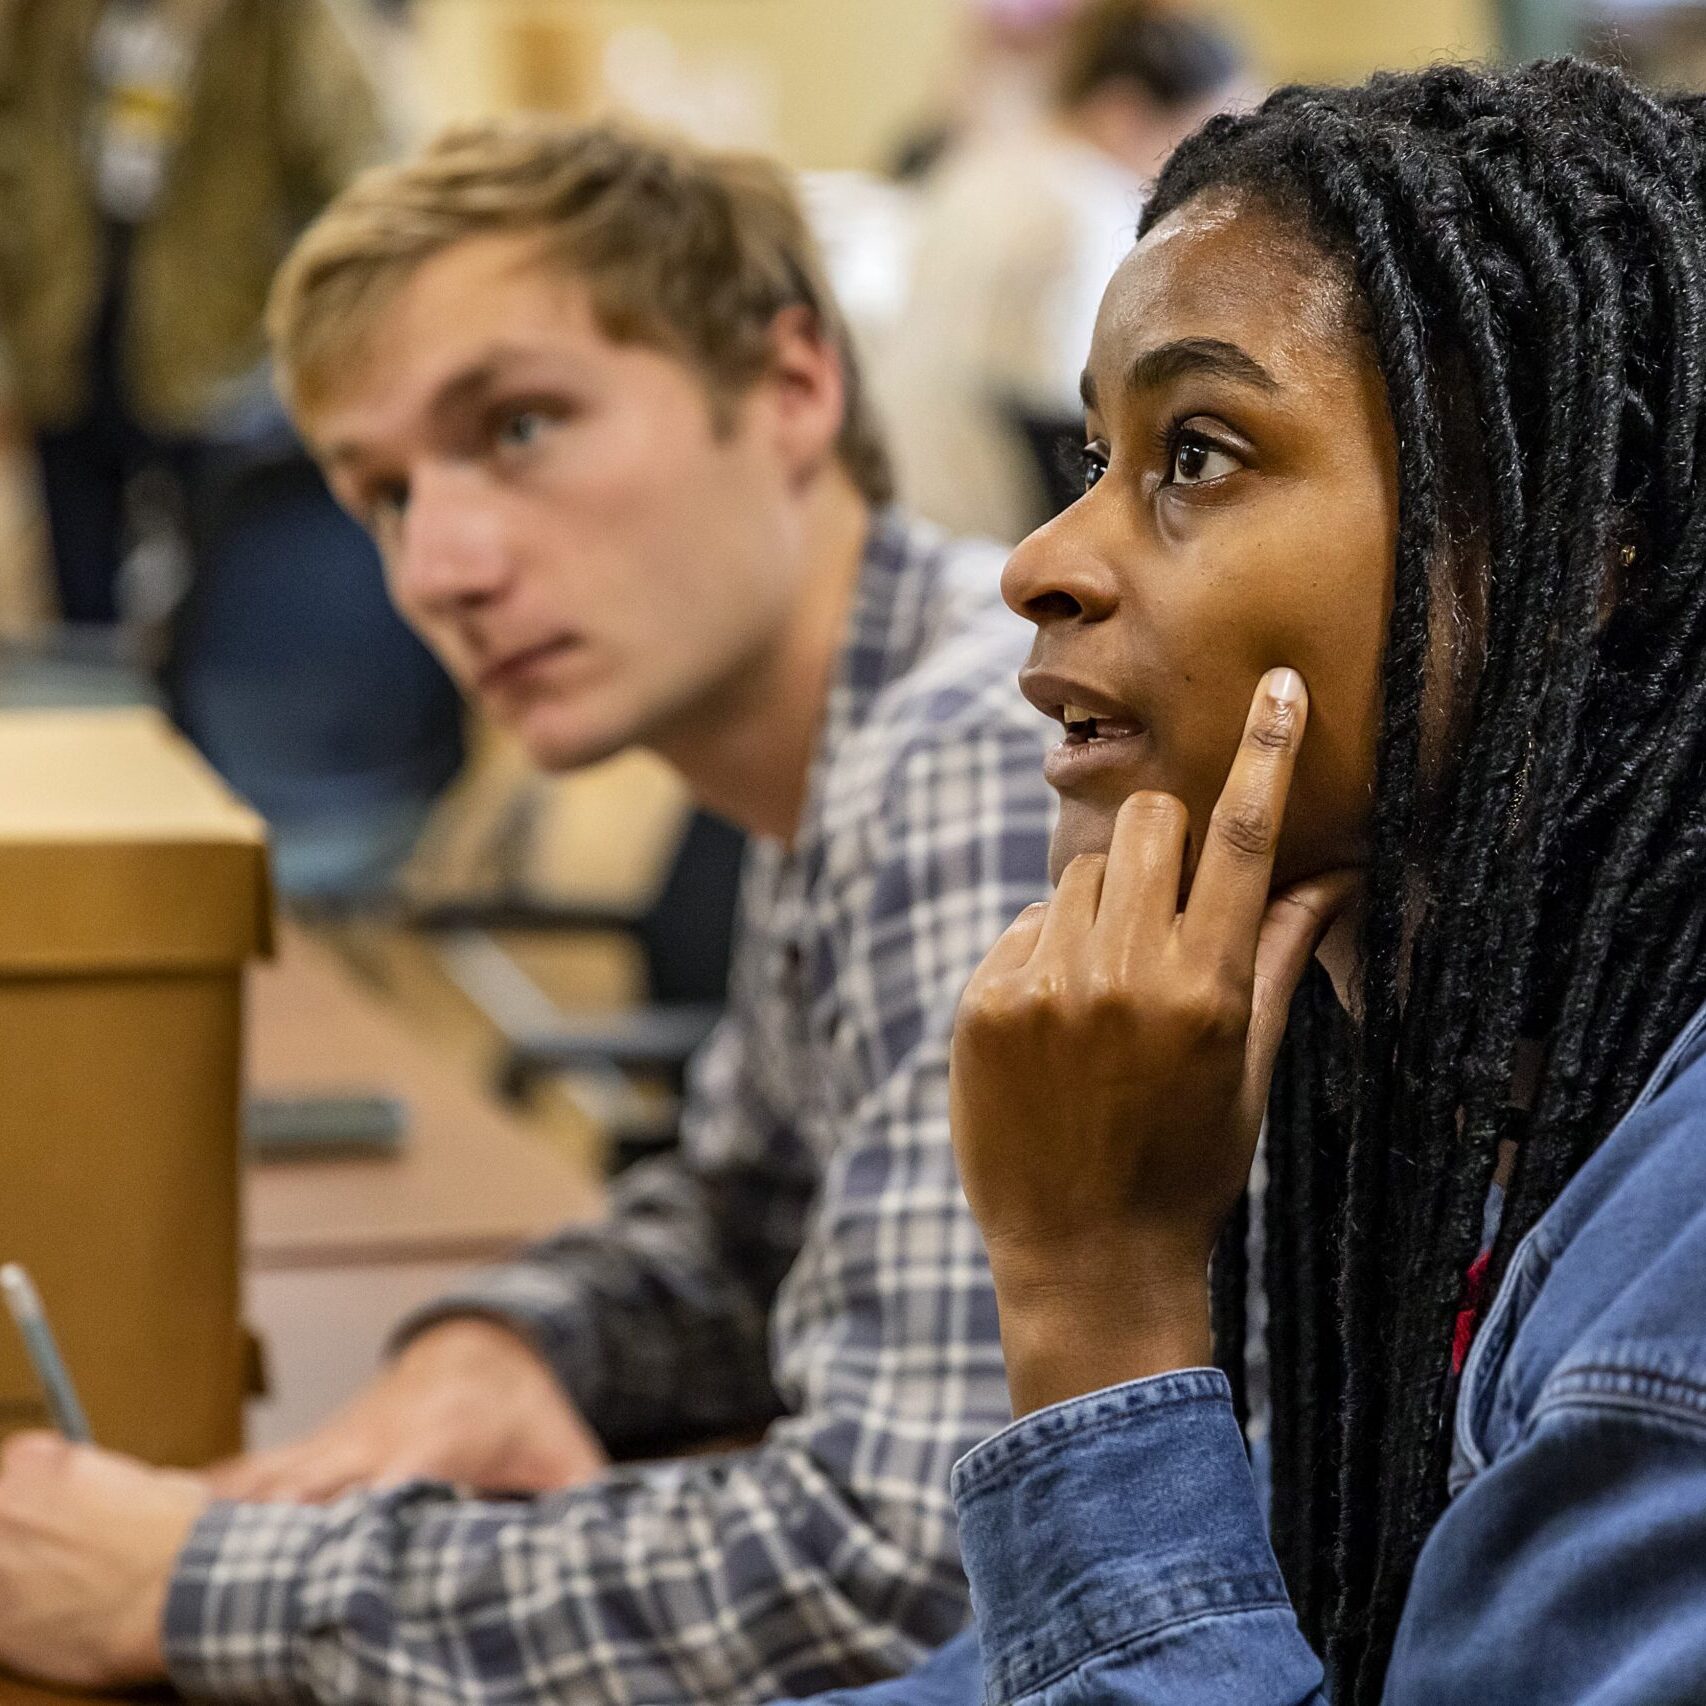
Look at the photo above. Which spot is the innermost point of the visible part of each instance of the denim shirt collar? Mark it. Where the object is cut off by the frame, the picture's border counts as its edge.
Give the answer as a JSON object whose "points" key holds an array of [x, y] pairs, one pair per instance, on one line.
{"points": [[1478, 1394]]}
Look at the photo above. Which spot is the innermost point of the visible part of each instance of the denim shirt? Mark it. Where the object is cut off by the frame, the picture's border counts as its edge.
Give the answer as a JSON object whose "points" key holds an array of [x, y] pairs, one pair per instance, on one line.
{"points": [[1116, 1546]]}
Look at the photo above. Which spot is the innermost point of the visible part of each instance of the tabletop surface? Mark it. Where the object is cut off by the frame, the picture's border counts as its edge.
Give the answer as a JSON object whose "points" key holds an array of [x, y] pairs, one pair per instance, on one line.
{"points": [[470, 1180]]}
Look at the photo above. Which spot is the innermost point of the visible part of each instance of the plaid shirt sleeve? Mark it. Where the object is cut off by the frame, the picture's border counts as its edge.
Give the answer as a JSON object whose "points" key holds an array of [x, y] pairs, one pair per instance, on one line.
{"points": [[828, 1554], [655, 1320]]}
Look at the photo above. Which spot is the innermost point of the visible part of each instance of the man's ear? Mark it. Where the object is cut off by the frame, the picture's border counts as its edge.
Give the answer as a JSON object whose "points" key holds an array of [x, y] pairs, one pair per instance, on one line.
{"points": [[807, 388]]}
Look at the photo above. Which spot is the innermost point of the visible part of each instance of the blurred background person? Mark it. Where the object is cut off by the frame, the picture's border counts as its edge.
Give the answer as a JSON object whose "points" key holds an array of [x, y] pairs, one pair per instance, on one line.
{"points": [[156, 157], [1002, 84], [1018, 232]]}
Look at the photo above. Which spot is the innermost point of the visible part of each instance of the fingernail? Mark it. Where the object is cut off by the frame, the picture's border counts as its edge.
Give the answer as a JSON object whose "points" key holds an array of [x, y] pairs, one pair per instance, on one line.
{"points": [[1285, 685]]}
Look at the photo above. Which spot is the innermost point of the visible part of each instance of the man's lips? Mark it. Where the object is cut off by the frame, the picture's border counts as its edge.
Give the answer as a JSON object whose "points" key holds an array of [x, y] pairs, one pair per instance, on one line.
{"points": [[513, 665]]}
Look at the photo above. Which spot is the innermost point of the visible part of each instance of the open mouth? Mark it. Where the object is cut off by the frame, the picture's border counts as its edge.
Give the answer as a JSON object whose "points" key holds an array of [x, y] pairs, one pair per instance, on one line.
{"points": [[1084, 729], [1098, 752]]}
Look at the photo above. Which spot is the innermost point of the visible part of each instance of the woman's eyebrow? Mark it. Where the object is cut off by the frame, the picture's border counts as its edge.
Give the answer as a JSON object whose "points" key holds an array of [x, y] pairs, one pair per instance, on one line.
{"points": [[1212, 356]]}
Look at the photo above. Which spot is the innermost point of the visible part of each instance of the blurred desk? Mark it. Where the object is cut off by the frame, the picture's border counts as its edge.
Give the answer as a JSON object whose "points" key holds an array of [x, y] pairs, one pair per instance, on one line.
{"points": [[337, 1250]]}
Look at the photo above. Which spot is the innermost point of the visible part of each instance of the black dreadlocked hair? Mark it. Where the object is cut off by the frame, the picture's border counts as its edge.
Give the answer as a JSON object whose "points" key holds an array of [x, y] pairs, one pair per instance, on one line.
{"points": [[1529, 252]]}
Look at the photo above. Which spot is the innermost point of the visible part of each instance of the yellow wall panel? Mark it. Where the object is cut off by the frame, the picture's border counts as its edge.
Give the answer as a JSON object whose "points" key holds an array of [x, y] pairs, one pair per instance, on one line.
{"points": [[831, 82], [1327, 40]]}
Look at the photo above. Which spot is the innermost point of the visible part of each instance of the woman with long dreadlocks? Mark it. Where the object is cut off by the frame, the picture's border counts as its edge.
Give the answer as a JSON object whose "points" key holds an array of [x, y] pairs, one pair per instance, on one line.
{"points": [[1396, 411]]}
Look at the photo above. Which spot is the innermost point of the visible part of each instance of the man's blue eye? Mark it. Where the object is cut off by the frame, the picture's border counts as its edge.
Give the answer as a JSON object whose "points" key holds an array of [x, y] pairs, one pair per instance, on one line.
{"points": [[520, 430], [1095, 465]]}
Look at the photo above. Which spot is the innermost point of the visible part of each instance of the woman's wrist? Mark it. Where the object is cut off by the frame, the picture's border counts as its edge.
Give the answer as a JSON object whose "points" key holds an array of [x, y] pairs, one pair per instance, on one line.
{"points": [[1073, 1326]]}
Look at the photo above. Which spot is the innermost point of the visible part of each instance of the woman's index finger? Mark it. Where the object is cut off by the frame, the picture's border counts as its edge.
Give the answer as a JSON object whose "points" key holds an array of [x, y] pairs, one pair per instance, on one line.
{"points": [[1229, 894]]}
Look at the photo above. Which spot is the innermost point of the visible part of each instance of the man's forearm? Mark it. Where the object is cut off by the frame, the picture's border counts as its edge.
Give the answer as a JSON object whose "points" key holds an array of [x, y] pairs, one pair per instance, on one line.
{"points": [[653, 1328], [741, 1580]]}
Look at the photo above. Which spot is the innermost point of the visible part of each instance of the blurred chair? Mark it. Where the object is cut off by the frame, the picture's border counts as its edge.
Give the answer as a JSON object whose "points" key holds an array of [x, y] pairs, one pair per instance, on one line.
{"points": [[629, 1065]]}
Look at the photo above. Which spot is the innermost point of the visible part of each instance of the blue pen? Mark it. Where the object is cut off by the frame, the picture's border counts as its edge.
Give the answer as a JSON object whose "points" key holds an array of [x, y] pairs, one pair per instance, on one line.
{"points": [[24, 1303]]}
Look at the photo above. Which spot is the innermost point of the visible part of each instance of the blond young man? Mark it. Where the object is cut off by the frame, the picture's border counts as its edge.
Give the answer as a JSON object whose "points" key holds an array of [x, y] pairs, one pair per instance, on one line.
{"points": [[593, 398]]}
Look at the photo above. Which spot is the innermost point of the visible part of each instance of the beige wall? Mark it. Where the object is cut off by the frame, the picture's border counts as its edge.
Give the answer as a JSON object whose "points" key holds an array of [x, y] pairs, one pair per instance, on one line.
{"points": [[830, 82], [1341, 39], [833, 80]]}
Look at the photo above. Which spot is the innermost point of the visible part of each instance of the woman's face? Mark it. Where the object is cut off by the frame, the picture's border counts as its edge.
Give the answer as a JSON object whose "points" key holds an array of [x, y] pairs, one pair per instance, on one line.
{"points": [[1244, 517]]}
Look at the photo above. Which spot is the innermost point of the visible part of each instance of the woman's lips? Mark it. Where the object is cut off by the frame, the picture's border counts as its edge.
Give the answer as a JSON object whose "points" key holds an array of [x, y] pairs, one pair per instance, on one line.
{"points": [[1083, 758]]}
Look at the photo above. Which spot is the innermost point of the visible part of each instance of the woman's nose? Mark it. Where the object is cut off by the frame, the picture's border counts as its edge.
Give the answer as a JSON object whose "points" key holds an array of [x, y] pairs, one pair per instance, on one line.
{"points": [[1055, 575]]}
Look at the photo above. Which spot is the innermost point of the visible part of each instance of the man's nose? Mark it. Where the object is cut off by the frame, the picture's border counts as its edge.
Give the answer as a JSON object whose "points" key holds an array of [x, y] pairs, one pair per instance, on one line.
{"points": [[451, 552], [1057, 574]]}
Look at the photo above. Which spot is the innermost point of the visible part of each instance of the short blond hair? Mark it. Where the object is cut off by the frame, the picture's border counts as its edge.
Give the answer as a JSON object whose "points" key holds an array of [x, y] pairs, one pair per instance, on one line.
{"points": [[690, 251]]}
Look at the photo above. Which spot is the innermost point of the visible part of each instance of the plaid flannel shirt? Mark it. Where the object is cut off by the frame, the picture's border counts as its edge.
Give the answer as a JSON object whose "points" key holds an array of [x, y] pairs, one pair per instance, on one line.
{"points": [[806, 1261]]}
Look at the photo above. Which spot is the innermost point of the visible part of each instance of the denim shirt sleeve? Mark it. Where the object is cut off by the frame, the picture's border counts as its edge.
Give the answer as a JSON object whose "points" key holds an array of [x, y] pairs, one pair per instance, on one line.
{"points": [[1117, 1554]]}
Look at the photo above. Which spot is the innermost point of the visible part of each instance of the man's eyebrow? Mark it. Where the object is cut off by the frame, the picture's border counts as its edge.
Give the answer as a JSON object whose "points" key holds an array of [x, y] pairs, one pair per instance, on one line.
{"points": [[1212, 356], [463, 390], [466, 389]]}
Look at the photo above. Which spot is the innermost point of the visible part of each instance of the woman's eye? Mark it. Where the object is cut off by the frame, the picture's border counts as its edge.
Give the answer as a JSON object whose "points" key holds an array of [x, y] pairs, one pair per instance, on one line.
{"points": [[1095, 460], [1196, 461]]}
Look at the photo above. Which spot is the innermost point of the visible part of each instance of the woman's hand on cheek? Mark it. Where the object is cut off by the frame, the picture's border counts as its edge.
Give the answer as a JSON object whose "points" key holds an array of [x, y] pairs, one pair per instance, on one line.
{"points": [[1110, 1068]]}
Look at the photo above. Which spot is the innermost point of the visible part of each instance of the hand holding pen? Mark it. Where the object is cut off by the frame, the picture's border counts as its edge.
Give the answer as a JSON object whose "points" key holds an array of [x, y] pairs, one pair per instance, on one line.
{"points": [[24, 1302], [88, 1538]]}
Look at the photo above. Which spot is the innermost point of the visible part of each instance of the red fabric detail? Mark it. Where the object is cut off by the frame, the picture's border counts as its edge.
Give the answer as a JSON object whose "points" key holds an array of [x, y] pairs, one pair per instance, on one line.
{"points": [[1469, 1316]]}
